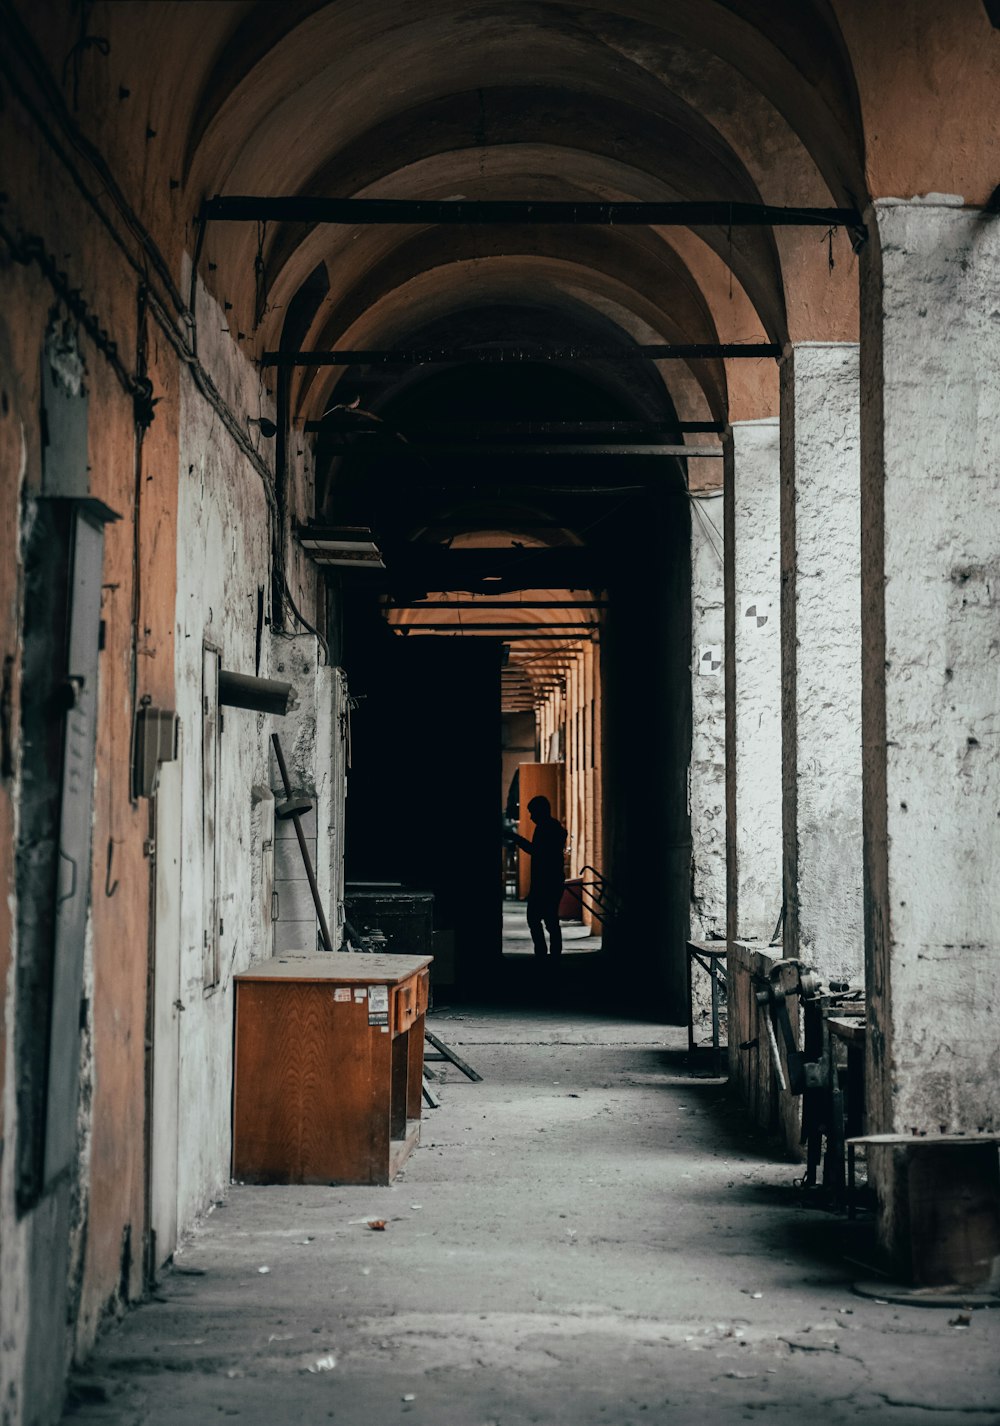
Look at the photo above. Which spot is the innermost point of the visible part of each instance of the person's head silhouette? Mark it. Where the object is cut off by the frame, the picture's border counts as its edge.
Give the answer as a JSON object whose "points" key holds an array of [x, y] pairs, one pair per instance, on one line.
{"points": [[539, 808]]}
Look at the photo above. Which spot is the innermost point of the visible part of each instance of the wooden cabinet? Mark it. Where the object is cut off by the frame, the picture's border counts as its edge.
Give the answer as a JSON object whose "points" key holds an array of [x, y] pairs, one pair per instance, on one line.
{"points": [[329, 1053]]}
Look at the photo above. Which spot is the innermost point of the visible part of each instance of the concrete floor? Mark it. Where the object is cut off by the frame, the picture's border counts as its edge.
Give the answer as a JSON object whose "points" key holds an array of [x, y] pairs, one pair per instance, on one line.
{"points": [[589, 1236], [516, 938]]}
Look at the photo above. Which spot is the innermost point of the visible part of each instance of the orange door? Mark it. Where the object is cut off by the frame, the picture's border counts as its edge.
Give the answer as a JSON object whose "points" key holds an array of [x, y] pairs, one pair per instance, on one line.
{"points": [[536, 780]]}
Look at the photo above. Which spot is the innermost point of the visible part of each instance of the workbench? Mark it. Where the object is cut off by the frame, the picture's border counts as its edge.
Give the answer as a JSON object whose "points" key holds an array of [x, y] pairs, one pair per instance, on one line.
{"points": [[711, 957], [946, 1204], [328, 1065]]}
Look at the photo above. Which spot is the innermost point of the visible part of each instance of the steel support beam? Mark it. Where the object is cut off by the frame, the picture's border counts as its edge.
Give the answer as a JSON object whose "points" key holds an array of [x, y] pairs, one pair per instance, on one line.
{"points": [[524, 625], [512, 638], [357, 212], [430, 356], [512, 430], [464, 604], [417, 450]]}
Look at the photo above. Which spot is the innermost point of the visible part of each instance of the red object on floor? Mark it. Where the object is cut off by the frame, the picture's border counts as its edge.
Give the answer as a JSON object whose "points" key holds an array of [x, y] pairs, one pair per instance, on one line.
{"points": [[571, 905]]}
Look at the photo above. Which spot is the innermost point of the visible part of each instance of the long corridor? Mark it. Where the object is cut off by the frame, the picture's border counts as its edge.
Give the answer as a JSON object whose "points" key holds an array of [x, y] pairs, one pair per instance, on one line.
{"points": [[592, 1234]]}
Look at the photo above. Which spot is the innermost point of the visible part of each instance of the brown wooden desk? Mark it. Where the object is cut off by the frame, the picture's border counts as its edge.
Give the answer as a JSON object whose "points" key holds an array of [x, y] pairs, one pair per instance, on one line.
{"points": [[328, 1066]]}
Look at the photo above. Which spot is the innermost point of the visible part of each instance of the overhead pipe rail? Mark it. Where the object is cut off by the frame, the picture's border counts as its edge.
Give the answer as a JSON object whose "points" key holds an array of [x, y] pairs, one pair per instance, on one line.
{"points": [[363, 212], [429, 356], [416, 450], [468, 606], [513, 430]]}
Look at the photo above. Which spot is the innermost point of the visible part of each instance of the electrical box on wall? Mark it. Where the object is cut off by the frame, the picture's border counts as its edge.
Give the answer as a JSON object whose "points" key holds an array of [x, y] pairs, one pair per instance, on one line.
{"points": [[155, 743], [64, 415]]}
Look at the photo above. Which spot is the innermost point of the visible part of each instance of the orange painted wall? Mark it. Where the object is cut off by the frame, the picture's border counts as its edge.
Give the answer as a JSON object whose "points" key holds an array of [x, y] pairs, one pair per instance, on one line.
{"points": [[928, 75]]}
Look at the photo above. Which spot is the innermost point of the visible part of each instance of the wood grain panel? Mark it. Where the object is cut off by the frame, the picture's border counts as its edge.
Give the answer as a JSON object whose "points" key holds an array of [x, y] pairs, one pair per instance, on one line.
{"points": [[312, 1087], [415, 1072]]}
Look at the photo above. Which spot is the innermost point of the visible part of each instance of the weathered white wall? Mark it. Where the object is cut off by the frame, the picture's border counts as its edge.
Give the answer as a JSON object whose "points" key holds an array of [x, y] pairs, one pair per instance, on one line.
{"points": [[821, 657], [753, 680], [222, 560], [313, 742], [707, 797], [930, 453]]}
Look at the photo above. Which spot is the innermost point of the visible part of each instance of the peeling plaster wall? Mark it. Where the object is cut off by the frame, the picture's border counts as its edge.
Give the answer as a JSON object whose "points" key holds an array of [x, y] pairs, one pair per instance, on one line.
{"points": [[15, 434], [222, 559], [930, 448], [753, 681], [707, 775], [313, 742], [708, 721], [821, 659]]}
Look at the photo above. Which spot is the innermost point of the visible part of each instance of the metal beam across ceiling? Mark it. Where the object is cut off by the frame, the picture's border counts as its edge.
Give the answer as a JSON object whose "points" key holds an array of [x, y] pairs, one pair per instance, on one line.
{"points": [[506, 638], [358, 212], [432, 356], [493, 628], [349, 423], [416, 450], [431, 606]]}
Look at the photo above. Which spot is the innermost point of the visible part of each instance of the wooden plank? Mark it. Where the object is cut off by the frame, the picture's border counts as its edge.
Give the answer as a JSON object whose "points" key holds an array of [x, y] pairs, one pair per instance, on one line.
{"points": [[709, 948], [846, 1028], [400, 1149], [399, 1098], [415, 1068]]}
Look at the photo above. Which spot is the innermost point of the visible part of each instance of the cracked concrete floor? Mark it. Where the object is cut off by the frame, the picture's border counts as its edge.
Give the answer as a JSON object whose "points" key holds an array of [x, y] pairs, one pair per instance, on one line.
{"points": [[589, 1236]]}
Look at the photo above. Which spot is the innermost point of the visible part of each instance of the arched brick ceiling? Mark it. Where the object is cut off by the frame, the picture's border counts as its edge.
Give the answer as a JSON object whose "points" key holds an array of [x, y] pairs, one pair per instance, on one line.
{"points": [[358, 61], [561, 289], [631, 99]]}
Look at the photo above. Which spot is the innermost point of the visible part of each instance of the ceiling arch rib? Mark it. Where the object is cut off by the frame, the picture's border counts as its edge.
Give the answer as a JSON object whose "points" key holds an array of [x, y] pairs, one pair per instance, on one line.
{"points": [[690, 294], [791, 51], [641, 262], [545, 282], [421, 91], [537, 171]]}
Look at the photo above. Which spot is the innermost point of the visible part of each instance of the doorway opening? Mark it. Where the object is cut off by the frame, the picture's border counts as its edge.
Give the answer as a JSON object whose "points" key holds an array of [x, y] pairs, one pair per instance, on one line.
{"points": [[533, 612]]}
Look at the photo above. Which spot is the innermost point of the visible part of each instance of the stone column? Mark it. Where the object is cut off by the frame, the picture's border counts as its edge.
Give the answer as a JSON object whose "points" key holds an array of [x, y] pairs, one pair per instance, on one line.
{"points": [[708, 719], [752, 680], [821, 657], [930, 454]]}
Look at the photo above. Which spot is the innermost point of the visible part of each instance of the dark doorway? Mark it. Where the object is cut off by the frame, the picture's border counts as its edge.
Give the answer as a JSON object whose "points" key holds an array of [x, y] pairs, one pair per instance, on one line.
{"points": [[422, 800], [468, 497]]}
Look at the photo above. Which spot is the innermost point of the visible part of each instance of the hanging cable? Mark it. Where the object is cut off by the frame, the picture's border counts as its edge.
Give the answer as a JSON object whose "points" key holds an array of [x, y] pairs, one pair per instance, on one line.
{"points": [[301, 619]]}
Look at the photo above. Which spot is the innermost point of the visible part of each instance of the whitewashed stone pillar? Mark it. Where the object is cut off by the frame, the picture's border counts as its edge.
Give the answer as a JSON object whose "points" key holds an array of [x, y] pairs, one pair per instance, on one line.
{"points": [[707, 794], [821, 657], [930, 457], [753, 680]]}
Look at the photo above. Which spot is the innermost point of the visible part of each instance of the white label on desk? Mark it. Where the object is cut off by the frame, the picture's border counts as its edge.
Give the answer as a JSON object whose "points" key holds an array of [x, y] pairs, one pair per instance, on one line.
{"points": [[361, 995], [342, 992], [378, 1005]]}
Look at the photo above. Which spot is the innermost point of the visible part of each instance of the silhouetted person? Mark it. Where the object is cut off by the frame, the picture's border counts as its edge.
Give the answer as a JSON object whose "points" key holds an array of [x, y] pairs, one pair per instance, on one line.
{"points": [[547, 875]]}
